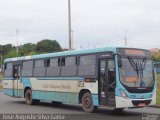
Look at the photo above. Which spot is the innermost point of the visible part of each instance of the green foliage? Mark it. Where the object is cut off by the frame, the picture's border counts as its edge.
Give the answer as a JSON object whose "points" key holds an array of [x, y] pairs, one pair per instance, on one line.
{"points": [[47, 46], [1, 87], [28, 49], [1, 77], [158, 89], [6, 48], [7, 51], [156, 56], [32, 53], [158, 96], [44, 46], [12, 53]]}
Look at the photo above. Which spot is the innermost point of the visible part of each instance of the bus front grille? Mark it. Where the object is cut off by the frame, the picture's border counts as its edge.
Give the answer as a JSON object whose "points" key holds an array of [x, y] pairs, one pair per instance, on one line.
{"points": [[138, 102]]}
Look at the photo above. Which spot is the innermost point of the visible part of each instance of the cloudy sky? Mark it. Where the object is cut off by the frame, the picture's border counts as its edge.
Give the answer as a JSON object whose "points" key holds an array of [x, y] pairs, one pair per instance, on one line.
{"points": [[95, 23]]}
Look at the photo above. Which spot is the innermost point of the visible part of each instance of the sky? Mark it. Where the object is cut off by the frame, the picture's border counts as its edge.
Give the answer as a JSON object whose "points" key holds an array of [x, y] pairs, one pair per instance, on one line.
{"points": [[95, 23]]}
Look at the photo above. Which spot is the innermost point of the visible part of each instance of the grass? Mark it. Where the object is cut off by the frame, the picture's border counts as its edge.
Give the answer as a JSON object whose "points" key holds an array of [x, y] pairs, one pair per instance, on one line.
{"points": [[158, 97], [158, 89], [1, 87], [1, 77]]}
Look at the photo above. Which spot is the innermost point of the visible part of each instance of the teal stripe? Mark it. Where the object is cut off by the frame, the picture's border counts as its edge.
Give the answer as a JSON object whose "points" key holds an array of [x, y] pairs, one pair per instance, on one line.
{"points": [[13, 92], [61, 97], [56, 96], [65, 97], [95, 99], [26, 82]]}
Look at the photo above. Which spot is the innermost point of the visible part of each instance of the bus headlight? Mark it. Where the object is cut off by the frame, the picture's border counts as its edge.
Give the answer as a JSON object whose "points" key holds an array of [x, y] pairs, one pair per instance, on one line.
{"points": [[123, 93], [154, 93]]}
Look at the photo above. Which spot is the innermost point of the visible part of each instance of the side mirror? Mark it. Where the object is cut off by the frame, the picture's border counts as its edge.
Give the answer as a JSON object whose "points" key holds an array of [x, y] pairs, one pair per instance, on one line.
{"points": [[119, 61]]}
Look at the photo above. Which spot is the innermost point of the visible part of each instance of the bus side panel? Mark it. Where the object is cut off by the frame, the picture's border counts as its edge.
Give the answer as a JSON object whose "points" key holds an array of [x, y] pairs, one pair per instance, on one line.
{"points": [[8, 91], [93, 88], [95, 99], [8, 87], [56, 96], [52, 89], [26, 82], [62, 90]]}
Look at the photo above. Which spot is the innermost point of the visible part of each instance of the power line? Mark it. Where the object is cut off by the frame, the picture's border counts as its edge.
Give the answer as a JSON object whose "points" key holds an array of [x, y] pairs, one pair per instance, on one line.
{"points": [[69, 25]]}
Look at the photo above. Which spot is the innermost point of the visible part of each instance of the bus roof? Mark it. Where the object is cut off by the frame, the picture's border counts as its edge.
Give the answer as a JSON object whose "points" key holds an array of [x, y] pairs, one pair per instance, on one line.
{"points": [[64, 53]]}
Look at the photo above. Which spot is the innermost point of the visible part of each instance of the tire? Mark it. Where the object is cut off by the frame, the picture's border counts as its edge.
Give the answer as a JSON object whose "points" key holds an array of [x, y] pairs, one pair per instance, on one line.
{"points": [[35, 101], [55, 103], [87, 103], [28, 97], [118, 109]]}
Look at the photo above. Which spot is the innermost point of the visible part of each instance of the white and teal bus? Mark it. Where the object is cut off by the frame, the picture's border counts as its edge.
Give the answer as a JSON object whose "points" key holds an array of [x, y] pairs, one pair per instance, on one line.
{"points": [[110, 77]]}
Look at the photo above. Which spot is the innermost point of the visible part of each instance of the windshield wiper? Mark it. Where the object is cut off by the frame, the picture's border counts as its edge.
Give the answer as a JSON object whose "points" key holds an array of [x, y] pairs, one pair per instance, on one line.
{"points": [[138, 67], [134, 65]]}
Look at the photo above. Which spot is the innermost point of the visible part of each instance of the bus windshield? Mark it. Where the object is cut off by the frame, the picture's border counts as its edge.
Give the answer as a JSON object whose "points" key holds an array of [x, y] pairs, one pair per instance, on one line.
{"points": [[137, 72]]}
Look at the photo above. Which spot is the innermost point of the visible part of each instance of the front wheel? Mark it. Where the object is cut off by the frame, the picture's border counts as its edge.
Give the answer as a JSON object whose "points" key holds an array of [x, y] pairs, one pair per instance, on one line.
{"points": [[118, 109], [87, 103]]}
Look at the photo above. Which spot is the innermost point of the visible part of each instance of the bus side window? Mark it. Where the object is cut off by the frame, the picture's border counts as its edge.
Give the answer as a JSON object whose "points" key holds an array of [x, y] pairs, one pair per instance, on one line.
{"points": [[15, 72], [63, 62], [5, 66], [111, 72]]}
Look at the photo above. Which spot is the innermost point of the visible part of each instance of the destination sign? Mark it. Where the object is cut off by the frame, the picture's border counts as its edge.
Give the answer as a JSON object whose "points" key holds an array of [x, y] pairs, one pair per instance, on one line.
{"points": [[133, 52]]}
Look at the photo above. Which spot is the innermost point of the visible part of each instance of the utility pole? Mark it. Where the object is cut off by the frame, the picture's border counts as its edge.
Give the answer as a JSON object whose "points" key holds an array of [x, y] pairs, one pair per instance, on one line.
{"points": [[1, 59], [69, 25], [72, 39], [125, 37], [17, 32]]}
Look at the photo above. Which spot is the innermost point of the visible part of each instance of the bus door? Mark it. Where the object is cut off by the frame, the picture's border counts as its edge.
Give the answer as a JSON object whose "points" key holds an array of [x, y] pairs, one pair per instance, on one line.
{"points": [[16, 79], [107, 82]]}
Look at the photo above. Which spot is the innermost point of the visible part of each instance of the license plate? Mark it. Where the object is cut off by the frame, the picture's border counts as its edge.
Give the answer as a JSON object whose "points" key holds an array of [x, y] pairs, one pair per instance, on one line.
{"points": [[141, 104]]}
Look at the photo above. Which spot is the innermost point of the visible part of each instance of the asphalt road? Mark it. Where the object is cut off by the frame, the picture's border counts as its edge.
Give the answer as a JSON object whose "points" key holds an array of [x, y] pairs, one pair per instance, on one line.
{"points": [[9, 105]]}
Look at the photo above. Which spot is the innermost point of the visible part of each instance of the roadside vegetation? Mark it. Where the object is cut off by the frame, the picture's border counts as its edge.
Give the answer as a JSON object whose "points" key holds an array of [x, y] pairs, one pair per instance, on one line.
{"points": [[1, 77], [158, 89], [43, 46]]}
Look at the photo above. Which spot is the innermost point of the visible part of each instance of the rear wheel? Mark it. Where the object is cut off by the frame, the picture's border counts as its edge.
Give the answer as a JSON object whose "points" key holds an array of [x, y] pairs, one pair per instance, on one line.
{"points": [[28, 97], [87, 103]]}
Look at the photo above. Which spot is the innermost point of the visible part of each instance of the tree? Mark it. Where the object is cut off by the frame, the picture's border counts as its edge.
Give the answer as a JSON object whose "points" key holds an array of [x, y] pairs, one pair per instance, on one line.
{"points": [[6, 48], [156, 56], [47, 46], [28, 49], [11, 54]]}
